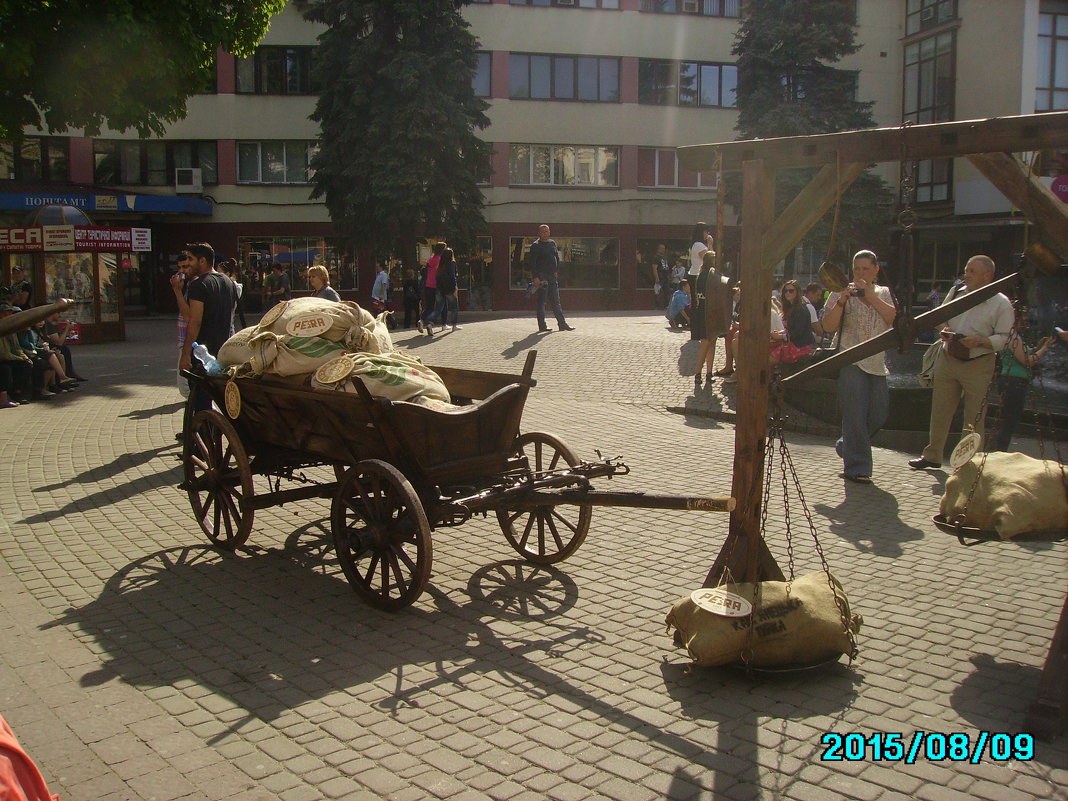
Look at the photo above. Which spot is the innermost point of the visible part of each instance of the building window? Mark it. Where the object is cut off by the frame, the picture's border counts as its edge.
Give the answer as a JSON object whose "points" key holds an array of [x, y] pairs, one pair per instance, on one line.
{"points": [[35, 158], [151, 163], [934, 177], [1051, 92], [276, 71], [275, 162], [923, 14], [704, 8], [550, 77], [929, 79], [585, 262], [687, 83], [659, 167], [480, 81], [257, 255], [565, 3], [563, 165]]}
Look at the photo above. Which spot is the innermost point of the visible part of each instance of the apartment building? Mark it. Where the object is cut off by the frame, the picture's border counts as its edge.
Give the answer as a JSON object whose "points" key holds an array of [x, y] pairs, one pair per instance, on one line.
{"points": [[588, 101]]}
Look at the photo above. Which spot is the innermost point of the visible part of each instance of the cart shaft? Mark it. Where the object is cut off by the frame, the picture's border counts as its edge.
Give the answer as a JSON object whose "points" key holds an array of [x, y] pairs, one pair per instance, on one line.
{"points": [[636, 500]]}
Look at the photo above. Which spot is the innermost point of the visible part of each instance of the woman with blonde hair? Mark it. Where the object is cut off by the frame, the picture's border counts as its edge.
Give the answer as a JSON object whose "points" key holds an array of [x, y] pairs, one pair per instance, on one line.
{"points": [[319, 279]]}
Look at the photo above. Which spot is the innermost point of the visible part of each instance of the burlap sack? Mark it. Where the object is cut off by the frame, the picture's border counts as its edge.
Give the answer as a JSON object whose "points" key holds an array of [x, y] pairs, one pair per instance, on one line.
{"points": [[1015, 494], [796, 624], [314, 317], [287, 355], [236, 350], [398, 376]]}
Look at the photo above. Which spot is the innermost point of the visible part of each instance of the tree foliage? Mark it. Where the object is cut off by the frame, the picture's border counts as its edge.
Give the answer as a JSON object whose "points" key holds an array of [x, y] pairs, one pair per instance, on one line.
{"points": [[398, 154], [787, 86], [124, 63]]}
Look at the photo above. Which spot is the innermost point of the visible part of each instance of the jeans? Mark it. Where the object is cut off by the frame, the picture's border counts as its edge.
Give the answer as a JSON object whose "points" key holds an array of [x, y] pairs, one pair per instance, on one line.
{"points": [[430, 304], [550, 289], [448, 309], [864, 400]]}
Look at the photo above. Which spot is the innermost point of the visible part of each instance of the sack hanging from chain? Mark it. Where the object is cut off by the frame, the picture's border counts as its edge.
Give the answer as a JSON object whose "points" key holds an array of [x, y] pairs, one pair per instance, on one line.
{"points": [[788, 623]]}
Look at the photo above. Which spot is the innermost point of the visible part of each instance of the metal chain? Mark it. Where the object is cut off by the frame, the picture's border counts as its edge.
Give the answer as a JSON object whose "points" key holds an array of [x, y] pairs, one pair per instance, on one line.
{"points": [[790, 478]]}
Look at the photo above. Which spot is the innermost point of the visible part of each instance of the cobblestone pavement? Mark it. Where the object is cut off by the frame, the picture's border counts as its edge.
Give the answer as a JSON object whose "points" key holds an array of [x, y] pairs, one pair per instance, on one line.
{"points": [[139, 663]]}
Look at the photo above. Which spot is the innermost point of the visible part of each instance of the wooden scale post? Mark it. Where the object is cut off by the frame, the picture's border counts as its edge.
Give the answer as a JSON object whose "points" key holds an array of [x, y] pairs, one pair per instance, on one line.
{"points": [[767, 239]]}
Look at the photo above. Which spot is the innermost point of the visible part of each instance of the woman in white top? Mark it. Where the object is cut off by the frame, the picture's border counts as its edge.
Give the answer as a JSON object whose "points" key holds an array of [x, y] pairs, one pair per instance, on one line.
{"points": [[702, 241]]}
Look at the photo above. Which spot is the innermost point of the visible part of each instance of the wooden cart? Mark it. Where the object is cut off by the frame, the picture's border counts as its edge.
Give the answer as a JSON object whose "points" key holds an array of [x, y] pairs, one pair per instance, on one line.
{"points": [[400, 471]]}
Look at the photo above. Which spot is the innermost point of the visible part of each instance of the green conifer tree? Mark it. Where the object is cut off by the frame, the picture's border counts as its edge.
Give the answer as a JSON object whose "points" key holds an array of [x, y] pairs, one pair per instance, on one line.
{"points": [[788, 86], [398, 155]]}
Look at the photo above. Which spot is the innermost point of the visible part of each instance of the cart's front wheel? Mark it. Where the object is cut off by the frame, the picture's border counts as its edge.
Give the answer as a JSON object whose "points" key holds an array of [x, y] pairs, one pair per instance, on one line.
{"points": [[218, 479], [381, 535], [546, 534]]}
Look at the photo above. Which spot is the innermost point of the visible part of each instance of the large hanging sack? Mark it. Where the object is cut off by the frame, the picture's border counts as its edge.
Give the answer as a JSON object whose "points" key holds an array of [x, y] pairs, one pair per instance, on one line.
{"points": [[795, 623], [398, 376], [1016, 494], [287, 355]]}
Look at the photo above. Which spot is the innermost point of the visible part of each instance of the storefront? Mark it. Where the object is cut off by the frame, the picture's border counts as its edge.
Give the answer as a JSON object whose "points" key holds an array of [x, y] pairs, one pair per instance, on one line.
{"points": [[82, 263]]}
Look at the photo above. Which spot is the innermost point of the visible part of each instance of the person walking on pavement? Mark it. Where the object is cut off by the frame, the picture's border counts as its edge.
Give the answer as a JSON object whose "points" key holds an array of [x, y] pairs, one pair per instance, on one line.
{"points": [[430, 290], [277, 286], [545, 267], [212, 298], [966, 365], [859, 312]]}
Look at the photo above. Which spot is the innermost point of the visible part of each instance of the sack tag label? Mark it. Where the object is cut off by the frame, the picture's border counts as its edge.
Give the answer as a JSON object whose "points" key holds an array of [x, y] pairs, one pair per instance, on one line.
{"points": [[720, 602], [308, 325]]}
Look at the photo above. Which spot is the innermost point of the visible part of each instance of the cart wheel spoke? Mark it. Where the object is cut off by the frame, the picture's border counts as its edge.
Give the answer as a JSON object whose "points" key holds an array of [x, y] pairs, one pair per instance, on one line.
{"points": [[376, 508], [544, 452], [218, 479]]}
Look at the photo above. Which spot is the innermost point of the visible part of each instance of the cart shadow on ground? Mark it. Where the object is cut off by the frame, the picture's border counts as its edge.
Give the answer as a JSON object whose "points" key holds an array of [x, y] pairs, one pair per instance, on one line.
{"points": [[271, 629]]}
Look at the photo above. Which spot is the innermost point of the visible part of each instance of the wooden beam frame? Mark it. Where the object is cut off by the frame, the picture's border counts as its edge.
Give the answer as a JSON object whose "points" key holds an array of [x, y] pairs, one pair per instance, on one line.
{"points": [[936, 140]]}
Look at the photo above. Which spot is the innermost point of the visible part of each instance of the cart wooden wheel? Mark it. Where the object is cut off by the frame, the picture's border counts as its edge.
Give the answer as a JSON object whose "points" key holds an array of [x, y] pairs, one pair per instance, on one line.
{"points": [[218, 479], [381, 535], [546, 534]]}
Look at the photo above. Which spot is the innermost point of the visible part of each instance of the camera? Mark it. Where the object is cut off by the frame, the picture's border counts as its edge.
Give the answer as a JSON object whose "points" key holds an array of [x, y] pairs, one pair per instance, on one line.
{"points": [[858, 293]]}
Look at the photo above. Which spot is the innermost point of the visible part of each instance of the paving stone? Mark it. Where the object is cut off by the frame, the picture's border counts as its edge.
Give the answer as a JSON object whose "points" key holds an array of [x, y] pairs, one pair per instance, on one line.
{"points": [[139, 651]]}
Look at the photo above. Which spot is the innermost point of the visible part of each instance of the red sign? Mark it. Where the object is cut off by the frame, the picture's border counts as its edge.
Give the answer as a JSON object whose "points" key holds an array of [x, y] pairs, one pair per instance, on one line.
{"points": [[1059, 187]]}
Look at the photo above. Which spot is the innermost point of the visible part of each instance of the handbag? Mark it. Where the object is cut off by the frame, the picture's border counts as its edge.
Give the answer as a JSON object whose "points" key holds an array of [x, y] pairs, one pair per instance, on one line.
{"points": [[787, 352], [927, 365]]}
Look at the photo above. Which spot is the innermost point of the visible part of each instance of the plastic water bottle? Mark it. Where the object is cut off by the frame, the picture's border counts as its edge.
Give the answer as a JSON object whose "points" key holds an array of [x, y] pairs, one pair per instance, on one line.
{"points": [[211, 364]]}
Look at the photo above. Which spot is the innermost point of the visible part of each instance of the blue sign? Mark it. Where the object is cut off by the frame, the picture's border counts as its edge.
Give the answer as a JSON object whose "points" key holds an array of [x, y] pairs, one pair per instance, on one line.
{"points": [[133, 204]]}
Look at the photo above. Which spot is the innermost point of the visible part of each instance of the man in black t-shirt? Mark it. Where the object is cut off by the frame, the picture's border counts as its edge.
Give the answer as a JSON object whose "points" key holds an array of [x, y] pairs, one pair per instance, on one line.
{"points": [[212, 300]]}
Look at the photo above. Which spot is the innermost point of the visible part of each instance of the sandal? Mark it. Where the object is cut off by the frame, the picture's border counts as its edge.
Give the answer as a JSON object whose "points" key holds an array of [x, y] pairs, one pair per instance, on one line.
{"points": [[9, 405], [723, 372]]}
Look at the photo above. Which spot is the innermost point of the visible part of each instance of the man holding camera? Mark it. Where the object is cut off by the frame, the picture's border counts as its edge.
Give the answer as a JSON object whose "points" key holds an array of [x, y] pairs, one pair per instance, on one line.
{"points": [[970, 342], [859, 312]]}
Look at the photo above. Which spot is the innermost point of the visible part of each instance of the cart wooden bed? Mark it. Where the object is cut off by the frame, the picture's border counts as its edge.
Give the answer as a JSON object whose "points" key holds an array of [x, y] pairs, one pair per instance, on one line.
{"points": [[400, 470]]}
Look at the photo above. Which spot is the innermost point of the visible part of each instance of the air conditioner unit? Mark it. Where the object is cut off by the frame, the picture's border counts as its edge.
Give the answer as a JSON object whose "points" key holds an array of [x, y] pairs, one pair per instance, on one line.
{"points": [[188, 180], [565, 2], [691, 6], [927, 14]]}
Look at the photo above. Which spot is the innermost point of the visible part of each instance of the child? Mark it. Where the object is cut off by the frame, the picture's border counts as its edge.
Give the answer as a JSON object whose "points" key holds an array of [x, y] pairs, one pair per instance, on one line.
{"points": [[680, 301]]}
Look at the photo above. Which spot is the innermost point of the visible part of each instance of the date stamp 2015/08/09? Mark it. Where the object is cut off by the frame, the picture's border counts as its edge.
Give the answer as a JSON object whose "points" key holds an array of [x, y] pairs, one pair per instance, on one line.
{"points": [[931, 746]]}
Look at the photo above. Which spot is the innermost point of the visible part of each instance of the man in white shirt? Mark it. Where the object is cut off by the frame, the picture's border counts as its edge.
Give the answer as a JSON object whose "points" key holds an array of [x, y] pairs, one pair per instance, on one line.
{"points": [[982, 331], [861, 311], [380, 289]]}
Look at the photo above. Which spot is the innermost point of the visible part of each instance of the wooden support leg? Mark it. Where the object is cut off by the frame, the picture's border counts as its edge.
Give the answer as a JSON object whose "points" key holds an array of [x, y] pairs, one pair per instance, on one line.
{"points": [[1047, 716]]}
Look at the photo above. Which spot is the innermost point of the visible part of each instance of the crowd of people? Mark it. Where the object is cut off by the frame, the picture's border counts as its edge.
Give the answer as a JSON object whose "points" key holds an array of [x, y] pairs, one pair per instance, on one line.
{"points": [[36, 362]]}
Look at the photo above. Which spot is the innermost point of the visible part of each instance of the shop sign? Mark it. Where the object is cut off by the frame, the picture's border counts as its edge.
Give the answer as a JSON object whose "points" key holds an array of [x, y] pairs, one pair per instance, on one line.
{"points": [[74, 238], [1059, 187]]}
